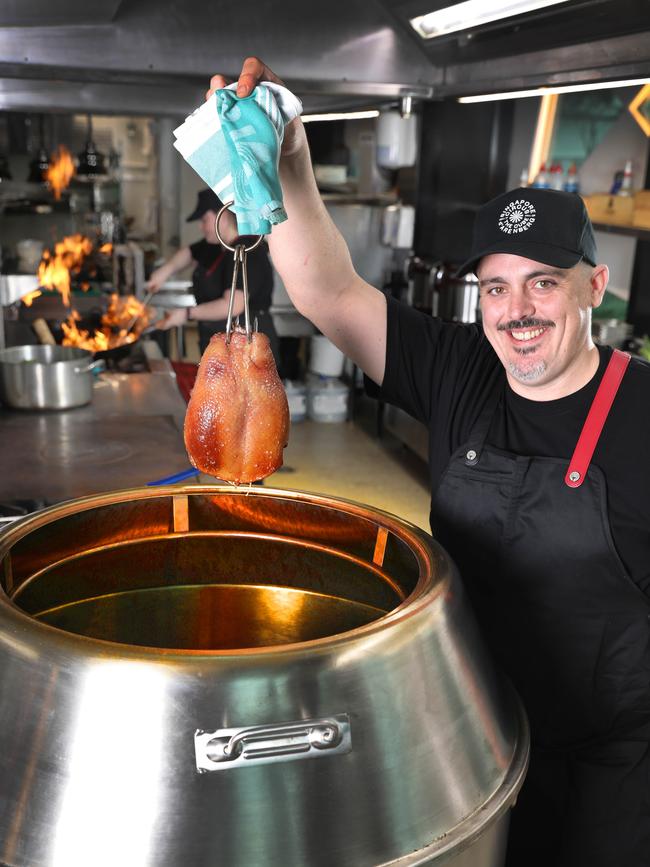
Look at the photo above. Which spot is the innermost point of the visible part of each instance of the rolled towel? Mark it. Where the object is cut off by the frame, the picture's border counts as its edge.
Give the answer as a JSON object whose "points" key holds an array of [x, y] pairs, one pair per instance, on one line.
{"points": [[234, 145]]}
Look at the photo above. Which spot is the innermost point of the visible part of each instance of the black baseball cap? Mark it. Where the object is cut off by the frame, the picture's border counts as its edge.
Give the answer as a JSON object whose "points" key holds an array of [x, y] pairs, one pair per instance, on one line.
{"points": [[548, 226], [208, 200]]}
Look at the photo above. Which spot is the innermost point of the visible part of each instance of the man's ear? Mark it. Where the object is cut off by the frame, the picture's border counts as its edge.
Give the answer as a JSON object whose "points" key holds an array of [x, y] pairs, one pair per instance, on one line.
{"points": [[599, 280]]}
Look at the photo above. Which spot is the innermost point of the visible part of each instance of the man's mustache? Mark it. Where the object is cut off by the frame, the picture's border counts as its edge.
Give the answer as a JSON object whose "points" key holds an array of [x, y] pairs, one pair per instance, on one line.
{"points": [[525, 324]]}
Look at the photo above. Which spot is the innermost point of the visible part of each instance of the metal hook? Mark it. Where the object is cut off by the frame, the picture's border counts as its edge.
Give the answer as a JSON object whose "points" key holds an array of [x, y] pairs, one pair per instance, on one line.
{"points": [[239, 259], [240, 251], [260, 238]]}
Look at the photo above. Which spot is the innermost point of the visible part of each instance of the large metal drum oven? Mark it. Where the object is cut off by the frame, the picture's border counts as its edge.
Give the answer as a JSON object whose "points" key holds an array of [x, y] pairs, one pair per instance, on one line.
{"points": [[245, 678]]}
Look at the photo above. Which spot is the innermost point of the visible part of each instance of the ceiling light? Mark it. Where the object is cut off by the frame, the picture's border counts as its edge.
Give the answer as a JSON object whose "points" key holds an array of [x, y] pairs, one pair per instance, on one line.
{"points": [[340, 115], [543, 91], [473, 13]]}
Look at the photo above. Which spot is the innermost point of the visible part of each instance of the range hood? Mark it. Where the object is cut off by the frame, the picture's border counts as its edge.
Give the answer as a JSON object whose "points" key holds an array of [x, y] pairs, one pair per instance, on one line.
{"points": [[143, 56]]}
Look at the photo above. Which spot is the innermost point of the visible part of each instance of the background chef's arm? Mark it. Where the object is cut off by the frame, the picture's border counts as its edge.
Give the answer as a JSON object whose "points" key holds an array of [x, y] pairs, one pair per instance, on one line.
{"points": [[311, 256], [209, 311], [181, 259]]}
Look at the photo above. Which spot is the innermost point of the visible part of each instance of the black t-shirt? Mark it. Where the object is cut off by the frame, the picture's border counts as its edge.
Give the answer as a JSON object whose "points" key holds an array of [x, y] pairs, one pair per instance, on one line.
{"points": [[443, 374], [213, 274]]}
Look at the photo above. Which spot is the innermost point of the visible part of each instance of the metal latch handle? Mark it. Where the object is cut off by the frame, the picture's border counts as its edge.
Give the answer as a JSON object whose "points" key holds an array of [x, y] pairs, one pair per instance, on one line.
{"points": [[247, 745]]}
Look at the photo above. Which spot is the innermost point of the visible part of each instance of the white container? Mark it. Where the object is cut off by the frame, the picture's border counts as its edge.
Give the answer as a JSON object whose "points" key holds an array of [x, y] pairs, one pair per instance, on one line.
{"points": [[396, 140], [327, 400], [330, 174], [297, 398], [324, 358], [398, 225]]}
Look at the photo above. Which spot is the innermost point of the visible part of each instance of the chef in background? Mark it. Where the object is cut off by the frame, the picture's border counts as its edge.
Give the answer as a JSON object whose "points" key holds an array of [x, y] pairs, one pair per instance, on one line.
{"points": [[539, 469], [212, 277]]}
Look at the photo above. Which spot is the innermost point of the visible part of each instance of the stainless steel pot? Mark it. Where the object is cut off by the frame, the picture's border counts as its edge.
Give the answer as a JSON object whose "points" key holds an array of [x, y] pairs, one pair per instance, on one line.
{"points": [[45, 377], [458, 297], [218, 676]]}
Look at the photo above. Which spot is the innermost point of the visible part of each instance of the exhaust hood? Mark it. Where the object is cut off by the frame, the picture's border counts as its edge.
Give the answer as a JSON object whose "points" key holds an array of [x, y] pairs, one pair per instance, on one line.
{"points": [[147, 57]]}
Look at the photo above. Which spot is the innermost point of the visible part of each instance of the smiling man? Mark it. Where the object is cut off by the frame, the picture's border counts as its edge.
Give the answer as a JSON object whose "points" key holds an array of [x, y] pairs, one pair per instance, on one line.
{"points": [[539, 282], [546, 516], [539, 471], [538, 321]]}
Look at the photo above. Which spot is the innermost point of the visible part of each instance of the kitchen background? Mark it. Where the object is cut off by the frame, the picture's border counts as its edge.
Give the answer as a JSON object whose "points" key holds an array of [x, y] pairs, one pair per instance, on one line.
{"points": [[137, 622], [104, 87]]}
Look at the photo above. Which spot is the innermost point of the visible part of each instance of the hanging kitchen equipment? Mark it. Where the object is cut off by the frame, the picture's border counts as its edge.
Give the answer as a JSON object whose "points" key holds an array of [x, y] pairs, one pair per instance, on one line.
{"points": [[91, 161], [204, 675], [41, 163]]}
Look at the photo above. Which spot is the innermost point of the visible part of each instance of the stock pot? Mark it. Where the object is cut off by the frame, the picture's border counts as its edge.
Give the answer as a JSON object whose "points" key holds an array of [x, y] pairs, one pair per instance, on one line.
{"points": [[45, 377], [211, 675]]}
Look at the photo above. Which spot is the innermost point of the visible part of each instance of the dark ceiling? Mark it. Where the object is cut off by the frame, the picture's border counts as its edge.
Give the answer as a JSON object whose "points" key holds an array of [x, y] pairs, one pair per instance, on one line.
{"points": [[156, 57]]}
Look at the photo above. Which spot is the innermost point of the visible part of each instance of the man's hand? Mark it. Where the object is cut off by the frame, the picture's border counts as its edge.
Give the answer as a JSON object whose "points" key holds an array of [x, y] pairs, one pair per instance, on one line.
{"points": [[154, 282], [175, 317], [253, 72]]}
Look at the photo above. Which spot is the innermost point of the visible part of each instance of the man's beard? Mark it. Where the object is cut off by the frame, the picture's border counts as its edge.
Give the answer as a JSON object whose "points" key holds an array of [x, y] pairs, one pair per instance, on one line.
{"points": [[527, 374]]}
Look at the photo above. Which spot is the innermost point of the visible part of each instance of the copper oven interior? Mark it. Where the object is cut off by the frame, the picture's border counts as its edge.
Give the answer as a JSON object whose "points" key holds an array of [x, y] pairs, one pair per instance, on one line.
{"points": [[201, 572]]}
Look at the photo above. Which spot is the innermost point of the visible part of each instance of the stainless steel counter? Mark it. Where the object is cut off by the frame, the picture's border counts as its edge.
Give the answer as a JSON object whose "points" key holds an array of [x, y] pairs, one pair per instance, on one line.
{"points": [[131, 433]]}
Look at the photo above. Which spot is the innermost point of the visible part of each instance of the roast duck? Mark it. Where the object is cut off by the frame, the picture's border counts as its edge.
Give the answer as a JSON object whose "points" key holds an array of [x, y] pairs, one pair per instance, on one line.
{"points": [[237, 421]]}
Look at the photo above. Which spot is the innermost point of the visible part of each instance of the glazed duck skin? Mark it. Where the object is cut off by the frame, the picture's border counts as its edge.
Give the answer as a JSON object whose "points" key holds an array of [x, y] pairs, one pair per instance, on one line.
{"points": [[237, 421]]}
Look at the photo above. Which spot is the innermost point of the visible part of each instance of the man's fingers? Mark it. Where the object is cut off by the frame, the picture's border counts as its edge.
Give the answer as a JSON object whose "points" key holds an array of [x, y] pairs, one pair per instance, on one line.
{"points": [[253, 71], [216, 83]]}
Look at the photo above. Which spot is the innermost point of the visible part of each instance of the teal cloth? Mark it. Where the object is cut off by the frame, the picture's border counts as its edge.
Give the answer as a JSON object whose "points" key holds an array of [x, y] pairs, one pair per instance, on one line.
{"points": [[234, 146], [253, 138]]}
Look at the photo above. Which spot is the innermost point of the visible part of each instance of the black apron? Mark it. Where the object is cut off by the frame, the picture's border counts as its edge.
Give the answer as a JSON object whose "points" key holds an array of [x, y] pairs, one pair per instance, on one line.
{"points": [[207, 285], [565, 621]]}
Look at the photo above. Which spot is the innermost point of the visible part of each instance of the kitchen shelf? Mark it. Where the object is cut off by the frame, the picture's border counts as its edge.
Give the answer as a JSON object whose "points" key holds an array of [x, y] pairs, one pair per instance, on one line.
{"points": [[630, 231]]}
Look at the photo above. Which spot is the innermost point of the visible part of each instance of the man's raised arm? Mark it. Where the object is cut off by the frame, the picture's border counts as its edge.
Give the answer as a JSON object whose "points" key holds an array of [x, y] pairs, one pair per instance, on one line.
{"points": [[310, 254]]}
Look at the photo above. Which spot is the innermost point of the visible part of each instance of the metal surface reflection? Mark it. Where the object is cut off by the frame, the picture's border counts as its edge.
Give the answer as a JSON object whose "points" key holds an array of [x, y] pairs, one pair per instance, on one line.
{"points": [[105, 746]]}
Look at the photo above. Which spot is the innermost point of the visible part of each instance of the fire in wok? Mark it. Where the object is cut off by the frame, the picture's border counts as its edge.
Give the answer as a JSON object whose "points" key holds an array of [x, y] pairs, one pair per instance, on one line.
{"points": [[123, 321]]}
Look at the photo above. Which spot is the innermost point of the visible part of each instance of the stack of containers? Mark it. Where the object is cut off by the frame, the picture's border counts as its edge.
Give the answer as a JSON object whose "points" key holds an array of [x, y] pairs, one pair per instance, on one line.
{"points": [[327, 396], [297, 398]]}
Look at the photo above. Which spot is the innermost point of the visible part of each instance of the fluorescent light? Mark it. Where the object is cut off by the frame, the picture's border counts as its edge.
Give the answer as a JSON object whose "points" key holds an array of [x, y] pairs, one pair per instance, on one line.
{"points": [[473, 13], [563, 88], [340, 115]]}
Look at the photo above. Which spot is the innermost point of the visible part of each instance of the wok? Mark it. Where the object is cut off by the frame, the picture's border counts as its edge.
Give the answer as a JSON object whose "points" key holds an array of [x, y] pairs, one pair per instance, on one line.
{"points": [[92, 321], [116, 353]]}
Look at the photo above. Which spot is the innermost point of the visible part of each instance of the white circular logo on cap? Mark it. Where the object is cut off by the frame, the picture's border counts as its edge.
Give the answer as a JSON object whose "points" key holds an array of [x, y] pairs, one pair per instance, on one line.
{"points": [[517, 217]]}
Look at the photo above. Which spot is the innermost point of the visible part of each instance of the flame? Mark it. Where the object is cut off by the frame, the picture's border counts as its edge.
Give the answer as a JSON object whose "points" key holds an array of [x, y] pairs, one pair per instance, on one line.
{"points": [[115, 321], [60, 171], [28, 299], [117, 325], [54, 270]]}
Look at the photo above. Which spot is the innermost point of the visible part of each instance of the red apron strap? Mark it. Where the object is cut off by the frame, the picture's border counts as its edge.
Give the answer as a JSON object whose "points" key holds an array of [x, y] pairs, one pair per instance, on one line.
{"points": [[213, 267], [596, 418]]}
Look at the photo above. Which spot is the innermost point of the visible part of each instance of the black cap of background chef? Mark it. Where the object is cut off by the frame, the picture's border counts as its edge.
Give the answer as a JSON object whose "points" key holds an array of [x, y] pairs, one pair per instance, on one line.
{"points": [[548, 226], [208, 200]]}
